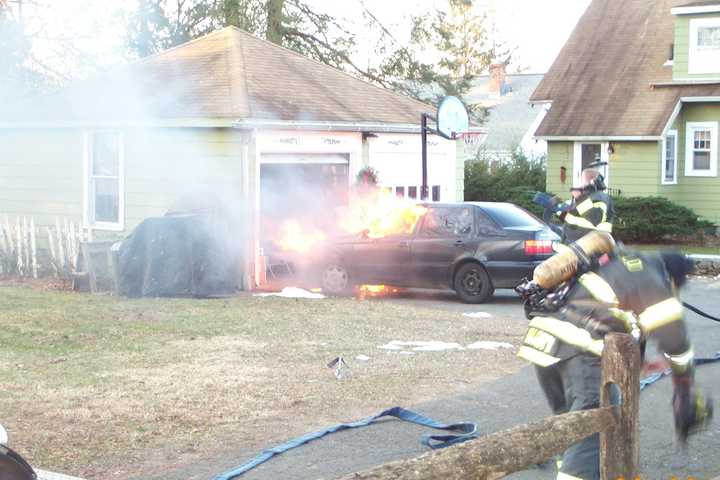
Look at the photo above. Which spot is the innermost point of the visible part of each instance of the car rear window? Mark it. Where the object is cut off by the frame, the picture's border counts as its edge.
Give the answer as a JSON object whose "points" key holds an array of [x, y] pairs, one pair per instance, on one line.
{"points": [[509, 216]]}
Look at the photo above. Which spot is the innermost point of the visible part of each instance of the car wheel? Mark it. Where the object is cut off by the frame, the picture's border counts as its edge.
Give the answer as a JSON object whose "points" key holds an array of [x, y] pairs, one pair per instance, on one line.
{"points": [[472, 283], [336, 280]]}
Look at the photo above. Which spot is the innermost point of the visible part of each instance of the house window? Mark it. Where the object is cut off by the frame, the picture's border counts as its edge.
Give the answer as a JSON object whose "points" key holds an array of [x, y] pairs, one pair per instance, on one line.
{"points": [[704, 55], [104, 199], [701, 149], [709, 38], [586, 153], [669, 159], [436, 193], [412, 193], [400, 192]]}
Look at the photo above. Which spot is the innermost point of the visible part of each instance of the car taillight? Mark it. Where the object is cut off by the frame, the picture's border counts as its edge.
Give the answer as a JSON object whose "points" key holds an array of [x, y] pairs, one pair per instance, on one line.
{"points": [[538, 247]]}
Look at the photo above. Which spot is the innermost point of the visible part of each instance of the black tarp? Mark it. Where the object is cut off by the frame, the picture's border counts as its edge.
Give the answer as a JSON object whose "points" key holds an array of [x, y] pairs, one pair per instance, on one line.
{"points": [[177, 256]]}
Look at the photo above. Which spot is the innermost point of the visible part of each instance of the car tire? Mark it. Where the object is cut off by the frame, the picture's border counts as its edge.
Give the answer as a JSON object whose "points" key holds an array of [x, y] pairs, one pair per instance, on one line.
{"points": [[472, 283], [336, 280]]}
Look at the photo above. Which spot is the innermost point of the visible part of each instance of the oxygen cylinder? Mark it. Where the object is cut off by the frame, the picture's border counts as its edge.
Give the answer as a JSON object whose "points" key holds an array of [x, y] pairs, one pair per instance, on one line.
{"points": [[563, 265]]}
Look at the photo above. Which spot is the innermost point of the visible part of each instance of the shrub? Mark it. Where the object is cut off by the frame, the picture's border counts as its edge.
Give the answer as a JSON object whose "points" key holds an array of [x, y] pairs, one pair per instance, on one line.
{"points": [[515, 181], [653, 219]]}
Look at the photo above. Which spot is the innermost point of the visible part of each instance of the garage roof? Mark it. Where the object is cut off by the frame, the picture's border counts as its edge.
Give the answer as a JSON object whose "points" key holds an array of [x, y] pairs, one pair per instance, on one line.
{"points": [[228, 74]]}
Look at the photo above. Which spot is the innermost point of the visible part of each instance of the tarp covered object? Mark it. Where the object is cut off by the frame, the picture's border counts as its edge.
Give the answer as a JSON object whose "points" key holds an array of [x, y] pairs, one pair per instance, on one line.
{"points": [[177, 256]]}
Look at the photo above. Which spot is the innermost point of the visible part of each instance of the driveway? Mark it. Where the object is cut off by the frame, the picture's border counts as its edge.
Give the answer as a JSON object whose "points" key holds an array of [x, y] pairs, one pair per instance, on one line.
{"points": [[513, 400]]}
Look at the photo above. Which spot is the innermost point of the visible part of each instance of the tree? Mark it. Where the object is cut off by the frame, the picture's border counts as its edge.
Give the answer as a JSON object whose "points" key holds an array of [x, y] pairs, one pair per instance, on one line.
{"points": [[460, 43], [456, 37], [514, 181], [17, 79], [161, 24]]}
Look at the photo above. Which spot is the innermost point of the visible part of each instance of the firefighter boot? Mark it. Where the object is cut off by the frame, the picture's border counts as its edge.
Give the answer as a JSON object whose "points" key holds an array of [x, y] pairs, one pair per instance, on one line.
{"points": [[692, 410]]}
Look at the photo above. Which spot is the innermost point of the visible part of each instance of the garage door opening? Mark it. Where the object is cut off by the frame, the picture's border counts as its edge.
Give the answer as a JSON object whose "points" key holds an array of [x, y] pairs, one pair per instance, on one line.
{"points": [[305, 190]]}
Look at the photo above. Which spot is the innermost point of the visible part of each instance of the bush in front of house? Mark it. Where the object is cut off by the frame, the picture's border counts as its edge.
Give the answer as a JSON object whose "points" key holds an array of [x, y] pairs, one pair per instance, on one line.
{"points": [[515, 181], [653, 219]]}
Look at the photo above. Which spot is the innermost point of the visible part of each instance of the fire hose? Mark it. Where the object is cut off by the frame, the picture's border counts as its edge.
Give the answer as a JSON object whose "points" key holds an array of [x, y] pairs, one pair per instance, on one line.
{"points": [[461, 432], [700, 312]]}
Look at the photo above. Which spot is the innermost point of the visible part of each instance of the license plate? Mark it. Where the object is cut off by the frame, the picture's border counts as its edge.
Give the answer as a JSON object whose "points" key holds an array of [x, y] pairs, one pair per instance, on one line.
{"points": [[541, 340]]}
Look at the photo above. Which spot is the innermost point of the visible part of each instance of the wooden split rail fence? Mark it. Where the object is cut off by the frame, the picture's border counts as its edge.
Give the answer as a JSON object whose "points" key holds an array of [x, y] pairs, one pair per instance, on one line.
{"points": [[497, 455]]}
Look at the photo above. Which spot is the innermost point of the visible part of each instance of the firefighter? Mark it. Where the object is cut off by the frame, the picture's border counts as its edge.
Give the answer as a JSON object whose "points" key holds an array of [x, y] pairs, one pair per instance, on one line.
{"points": [[590, 208], [632, 293]]}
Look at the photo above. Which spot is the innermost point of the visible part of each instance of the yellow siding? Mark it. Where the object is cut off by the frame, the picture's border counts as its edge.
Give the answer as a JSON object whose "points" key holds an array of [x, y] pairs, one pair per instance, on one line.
{"points": [[163, 165], [560, 154], [41, 171], [41, 174], [701, 194], [635, 168]]}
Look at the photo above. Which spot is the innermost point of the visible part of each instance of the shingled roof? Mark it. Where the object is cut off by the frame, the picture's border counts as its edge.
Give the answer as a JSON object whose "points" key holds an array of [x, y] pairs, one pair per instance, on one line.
{"points": [[228, 74], [605, 81]]}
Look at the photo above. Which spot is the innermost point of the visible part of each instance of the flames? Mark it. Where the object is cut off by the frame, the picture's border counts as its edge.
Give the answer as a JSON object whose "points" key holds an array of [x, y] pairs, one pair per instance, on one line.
{"points": [[296, 239], [374, 215], [382, 214], [370, 291]]}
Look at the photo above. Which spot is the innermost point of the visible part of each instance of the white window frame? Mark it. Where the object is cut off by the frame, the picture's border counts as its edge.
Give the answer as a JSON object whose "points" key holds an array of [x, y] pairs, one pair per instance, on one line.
{"points": [[690, 129], [88, 216], [701, 60], [663, 159], [577, 161]]}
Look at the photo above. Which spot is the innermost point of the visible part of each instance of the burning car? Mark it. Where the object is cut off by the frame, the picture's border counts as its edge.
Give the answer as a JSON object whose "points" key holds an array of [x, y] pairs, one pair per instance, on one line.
{"points": [[472, 248]]}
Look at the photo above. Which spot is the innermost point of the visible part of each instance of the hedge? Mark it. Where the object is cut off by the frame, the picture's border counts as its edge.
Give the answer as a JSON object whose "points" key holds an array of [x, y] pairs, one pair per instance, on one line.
{"points": [[516, 181], [652, 219]]}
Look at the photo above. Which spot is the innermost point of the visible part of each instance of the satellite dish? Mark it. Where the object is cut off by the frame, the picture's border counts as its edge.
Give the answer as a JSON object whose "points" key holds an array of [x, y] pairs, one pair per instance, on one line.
{"points": [[452, 118]]}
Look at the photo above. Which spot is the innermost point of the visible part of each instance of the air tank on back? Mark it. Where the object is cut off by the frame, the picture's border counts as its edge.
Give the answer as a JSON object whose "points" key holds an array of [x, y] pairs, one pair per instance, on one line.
{"points": [[563, 265]]}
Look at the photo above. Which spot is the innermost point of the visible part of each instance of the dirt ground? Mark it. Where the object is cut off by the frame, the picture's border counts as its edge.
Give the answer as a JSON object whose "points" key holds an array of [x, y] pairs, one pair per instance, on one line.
{"points": [[102, 387]]}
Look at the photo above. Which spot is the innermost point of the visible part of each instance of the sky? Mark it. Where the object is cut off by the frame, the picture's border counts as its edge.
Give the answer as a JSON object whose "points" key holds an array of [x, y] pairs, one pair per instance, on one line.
{"points": [[537, 28]]}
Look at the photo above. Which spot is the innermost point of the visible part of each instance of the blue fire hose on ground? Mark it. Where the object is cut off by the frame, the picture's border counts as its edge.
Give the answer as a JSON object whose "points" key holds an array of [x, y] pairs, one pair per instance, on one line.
{"points": [[461, 432]]}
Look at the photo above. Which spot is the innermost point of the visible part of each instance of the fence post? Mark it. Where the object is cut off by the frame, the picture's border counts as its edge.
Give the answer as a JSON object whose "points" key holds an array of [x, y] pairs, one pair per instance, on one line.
{"points": [[620, 446]]}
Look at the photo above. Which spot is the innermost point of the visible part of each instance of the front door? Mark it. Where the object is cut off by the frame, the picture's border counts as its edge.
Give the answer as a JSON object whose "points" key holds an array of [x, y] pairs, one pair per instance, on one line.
{"points": [[586, 153], [382, 261]]}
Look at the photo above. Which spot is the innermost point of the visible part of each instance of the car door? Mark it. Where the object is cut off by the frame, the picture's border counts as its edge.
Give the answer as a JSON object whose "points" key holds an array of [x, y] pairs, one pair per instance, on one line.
{"points": [[383, 260], [503, 251], [445, 234]]}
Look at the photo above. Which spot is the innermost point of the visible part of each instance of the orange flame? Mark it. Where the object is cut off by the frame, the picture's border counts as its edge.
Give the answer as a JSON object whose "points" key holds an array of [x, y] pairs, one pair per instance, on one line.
{"points": [[366, 291], [294, 239], [381, 215]]}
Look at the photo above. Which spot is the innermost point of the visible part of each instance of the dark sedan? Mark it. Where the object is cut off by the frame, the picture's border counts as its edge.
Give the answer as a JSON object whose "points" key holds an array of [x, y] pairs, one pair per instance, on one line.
{"points": [[471, 248]]}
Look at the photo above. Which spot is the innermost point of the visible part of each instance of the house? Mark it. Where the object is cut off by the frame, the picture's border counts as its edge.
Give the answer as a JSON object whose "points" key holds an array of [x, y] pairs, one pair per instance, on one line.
{"points": [[638, 84], [229, 116], [511, 119]]}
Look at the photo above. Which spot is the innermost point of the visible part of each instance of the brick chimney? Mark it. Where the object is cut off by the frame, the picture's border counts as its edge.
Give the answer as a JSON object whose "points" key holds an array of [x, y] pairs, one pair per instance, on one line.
{"points": [[497, 79]]}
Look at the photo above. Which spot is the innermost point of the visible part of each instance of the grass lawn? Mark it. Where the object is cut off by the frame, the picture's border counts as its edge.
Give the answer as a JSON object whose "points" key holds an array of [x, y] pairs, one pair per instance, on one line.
{"points": [[102, 387]]}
